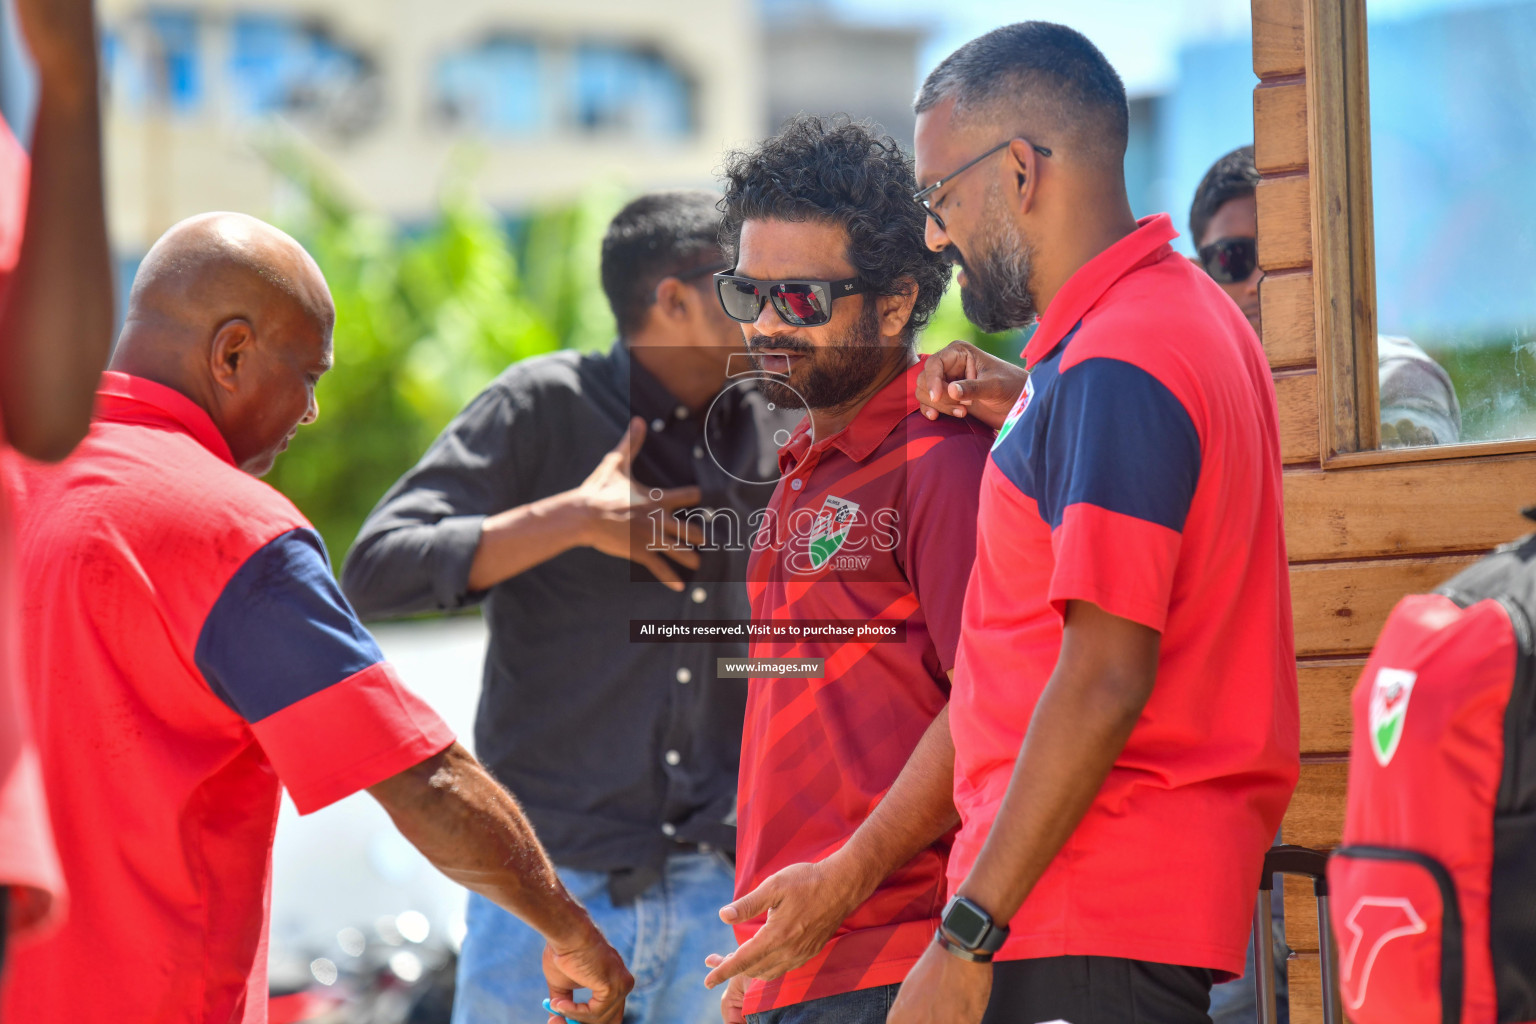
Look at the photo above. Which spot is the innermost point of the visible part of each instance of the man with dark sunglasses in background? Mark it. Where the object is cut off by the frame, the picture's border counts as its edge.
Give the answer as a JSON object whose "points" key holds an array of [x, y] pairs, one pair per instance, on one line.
{"points": [[540, 500], [846, 767], [1418, 401]]}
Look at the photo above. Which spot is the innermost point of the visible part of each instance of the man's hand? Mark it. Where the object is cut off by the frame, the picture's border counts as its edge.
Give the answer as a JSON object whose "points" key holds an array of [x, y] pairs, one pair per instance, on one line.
{"points": [[942, 989], [620, 519], [473, 831], [61, 35], [805, 904], [732, 1001], [962, 380], [593, 965]]}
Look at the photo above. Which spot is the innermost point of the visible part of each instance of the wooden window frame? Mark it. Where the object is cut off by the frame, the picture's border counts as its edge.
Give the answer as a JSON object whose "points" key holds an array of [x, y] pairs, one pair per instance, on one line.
{"points": [[1343, 261]]}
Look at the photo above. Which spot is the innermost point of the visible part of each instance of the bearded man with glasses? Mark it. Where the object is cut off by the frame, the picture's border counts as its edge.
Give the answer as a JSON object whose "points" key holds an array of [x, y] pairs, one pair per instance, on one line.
{"points": [[845, 802], [1124, 713]]}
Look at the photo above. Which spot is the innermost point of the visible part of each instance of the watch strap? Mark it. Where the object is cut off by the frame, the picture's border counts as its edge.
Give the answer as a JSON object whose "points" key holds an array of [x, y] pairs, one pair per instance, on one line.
{"points": [[958, 951]]}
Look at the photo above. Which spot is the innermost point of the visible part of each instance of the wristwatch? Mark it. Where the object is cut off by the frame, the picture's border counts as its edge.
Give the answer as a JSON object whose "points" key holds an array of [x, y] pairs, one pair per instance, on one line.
{"points": [[968, 932]]}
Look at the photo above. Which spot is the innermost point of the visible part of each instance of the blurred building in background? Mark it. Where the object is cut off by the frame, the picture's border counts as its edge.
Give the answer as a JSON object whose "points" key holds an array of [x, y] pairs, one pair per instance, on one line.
{"points": [[819, 61], [542, 98]]}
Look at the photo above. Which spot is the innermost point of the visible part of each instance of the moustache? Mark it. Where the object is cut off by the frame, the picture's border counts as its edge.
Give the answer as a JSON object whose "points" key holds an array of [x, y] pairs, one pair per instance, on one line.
{"points": [[953, 257], [799, 346]]}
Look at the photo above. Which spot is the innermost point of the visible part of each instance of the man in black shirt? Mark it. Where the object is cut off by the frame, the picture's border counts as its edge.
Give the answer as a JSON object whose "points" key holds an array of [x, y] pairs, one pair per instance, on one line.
{"points": [[543, 499]]}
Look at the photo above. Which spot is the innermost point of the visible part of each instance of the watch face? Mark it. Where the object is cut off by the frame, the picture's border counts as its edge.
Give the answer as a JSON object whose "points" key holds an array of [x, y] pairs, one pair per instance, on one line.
{"points": [[965, 924]]}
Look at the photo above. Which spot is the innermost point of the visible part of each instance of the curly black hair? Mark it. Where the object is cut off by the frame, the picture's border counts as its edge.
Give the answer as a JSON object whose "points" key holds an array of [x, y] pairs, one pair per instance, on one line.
{"points": [[839, 171]]}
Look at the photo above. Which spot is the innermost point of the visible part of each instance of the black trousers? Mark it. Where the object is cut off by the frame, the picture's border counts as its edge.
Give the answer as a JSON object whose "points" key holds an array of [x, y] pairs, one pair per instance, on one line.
{"points": [[1097, 990]]}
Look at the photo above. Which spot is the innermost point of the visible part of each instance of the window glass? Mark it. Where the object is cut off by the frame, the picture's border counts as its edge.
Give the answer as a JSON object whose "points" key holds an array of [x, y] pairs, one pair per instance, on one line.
{"points": [[631, 91], [176, 67], [1453, 144], [280, 65], [496, 87]]}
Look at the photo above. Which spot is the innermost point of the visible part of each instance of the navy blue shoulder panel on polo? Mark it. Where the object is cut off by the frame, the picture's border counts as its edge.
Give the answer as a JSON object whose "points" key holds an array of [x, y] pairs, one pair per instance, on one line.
{"points": [[1104, 432], [281, 630], [1016, 451]]}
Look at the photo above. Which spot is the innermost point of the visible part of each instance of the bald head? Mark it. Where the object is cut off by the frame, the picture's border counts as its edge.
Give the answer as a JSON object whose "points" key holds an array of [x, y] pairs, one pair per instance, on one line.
{"points": [[234, 314], [219, 261]]}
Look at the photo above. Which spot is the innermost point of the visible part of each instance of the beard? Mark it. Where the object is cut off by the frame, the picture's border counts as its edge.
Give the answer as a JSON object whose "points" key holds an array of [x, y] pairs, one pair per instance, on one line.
{"points": [[830, 375], [996, 295]]}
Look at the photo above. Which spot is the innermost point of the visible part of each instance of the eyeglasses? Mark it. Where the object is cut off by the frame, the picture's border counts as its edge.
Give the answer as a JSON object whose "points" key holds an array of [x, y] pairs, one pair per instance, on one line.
{"points": [[798, 303], [920, 197], [1230, 260]]}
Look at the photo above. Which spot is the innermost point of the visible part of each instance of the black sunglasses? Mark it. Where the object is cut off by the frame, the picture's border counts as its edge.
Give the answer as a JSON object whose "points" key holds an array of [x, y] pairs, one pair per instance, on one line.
{"points": [[1230, 260], [798, 303], [920, 197]]}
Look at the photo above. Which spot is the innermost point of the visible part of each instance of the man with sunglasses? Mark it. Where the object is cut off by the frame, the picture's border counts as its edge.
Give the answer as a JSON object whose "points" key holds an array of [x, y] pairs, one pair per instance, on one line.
{"points": [[1124, 714], [845, 777], [540, 500], [1418, 401]]}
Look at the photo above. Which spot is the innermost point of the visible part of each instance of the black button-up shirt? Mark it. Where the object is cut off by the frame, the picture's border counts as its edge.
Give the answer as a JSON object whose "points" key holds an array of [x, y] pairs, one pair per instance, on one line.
{"points": [[617, 750]]}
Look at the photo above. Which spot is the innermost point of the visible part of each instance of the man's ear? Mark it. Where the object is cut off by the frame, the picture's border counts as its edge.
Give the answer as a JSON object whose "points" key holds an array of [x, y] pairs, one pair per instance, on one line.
{"points": [[672, 299], [231, 348], [1024, 164], [895, 311]]}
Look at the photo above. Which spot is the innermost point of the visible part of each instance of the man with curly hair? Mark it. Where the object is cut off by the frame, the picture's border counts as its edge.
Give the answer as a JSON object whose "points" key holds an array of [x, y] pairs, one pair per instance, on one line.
{"points": [[844, 800]]}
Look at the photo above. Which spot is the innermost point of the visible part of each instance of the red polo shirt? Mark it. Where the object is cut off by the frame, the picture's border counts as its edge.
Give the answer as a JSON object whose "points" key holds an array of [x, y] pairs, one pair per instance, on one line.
{"points": [[29, 868], [875, 522], [188, 654], [1140, 471]]}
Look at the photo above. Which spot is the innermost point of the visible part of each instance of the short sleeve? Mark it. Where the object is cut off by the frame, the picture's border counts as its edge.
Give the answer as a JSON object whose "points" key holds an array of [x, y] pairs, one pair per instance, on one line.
{"points": [[285, 651], [943, 492], [1120, 462]]}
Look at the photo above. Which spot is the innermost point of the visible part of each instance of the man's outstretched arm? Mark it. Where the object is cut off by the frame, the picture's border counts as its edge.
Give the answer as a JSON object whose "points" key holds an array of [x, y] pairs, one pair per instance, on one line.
{"points": [[473, 831], [1102, 681], [56, 320], [806, 903]]}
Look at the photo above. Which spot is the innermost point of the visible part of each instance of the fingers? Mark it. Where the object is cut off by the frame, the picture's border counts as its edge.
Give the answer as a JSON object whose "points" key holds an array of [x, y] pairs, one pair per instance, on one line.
{"points": [[753, 904], [630, 443], [679, 497], [660, 568], [687, 531], [725, 968], [956, 362], [762, 956], [606, 1005]]}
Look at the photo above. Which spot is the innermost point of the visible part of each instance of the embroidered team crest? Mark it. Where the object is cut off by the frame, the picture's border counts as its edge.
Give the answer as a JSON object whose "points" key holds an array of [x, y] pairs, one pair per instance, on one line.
{"points": [[1389, 706], [1016, 411], [831, 529]]}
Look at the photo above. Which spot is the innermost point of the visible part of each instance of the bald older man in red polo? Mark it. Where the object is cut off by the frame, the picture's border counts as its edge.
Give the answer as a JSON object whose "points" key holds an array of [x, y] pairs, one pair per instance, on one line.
{"points": [[189, 655]]}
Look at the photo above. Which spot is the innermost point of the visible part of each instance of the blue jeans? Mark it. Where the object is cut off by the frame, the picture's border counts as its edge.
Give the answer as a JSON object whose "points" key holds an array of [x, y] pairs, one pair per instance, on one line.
{"points": [[663, 937], [1234, 1002], [866, 1006]]}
